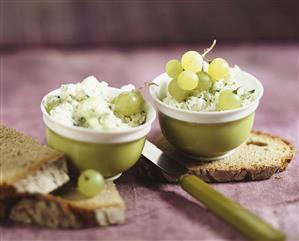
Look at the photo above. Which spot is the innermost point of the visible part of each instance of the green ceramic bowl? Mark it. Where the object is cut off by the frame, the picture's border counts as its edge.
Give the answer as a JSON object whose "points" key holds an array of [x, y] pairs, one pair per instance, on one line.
{"points": [[109, 152], [206, 135]]}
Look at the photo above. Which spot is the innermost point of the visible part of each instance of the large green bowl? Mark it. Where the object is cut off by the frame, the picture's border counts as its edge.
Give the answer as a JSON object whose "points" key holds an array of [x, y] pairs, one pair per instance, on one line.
{"points": [[205, 140], [206, 135], [109, 152]]}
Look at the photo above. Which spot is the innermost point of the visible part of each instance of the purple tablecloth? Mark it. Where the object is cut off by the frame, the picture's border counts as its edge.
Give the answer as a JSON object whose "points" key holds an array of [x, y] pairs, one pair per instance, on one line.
{"points": [[162, 212]]}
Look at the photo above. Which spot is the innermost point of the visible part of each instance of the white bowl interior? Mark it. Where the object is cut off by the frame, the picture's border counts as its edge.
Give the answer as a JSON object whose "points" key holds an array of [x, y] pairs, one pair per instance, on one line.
{"points": [[100, 136], [246, 80]]}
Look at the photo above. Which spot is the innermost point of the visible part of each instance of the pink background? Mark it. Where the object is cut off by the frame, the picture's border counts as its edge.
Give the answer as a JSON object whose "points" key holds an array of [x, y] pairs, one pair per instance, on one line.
{"points": [[162, 212]]}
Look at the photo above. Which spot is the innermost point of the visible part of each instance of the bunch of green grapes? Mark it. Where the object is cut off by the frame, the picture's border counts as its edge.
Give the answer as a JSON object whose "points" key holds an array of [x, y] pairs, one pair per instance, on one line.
{"points": [[185, 72], [128, 103], [188, 76]]}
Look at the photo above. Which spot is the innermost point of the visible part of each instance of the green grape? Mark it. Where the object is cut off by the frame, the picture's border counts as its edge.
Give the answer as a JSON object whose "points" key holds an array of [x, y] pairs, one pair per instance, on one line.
{"points": [[192, 61], [218, 69], [204, 81], [91, 183], [128, 103], [227, 100], [176, 92], [187, 80], [173, 68], [52, 102]]}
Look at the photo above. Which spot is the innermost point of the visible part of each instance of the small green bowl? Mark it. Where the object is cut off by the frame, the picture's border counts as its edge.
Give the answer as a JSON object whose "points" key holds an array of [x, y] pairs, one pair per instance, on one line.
{"points": [[206, 135], [110, 152]]}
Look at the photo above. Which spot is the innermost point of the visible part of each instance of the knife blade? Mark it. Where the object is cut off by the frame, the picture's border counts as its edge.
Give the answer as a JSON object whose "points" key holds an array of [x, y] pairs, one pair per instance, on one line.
{"points": [[163, 161], [233, 213]]}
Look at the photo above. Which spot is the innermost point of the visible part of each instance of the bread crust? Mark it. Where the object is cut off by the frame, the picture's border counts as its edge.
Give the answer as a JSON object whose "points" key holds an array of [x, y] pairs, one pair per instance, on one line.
{"points": [[54, 211], [42, 170], [33, 168], [231, 169], [53, 156], [288, 158], [25, 198]]}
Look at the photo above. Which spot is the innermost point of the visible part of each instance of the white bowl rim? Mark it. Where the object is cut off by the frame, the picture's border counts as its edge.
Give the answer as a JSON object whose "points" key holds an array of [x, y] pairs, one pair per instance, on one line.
{"points": [[207, 116], [84, 130], [208, 113]]}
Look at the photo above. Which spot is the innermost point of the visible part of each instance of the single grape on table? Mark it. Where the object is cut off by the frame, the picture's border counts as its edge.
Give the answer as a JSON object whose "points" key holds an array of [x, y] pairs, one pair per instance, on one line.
{"points": [[91, 183]]}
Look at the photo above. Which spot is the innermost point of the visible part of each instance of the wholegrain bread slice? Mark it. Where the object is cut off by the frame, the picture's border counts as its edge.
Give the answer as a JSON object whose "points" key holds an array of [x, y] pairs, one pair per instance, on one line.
{"points": [[258, 158], [70, 209], [28, 167]]}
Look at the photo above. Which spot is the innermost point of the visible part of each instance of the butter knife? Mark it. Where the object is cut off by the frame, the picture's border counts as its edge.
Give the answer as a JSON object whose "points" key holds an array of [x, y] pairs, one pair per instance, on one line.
{"points": [[233, 213]]}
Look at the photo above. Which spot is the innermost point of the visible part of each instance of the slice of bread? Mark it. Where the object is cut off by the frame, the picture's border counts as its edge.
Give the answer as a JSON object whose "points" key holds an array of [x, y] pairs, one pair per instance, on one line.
{"points": [[69, 209], [258, 158], [28, 167]]}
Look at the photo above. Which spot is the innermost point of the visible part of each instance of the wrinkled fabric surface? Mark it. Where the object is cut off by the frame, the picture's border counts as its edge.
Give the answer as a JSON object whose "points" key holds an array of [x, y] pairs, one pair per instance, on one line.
{"points": [[162, 211]]}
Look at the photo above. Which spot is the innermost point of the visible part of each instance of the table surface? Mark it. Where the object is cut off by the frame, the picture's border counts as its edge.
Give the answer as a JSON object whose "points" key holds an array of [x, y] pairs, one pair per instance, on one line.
{"points": [[162, 212]]}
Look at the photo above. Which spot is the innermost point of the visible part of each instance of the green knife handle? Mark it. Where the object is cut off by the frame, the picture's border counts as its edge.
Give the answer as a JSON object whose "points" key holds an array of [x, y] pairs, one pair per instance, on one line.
{"points": [[242, 219]]}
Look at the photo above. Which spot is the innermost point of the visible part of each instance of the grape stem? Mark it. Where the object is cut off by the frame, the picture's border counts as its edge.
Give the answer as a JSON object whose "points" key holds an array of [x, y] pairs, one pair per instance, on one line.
{"points": [[147, 84], [206, 51], [236, 90]]}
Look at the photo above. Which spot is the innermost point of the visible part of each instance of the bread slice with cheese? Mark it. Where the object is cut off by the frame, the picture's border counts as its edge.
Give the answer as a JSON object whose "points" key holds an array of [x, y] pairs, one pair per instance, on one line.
{"points": [[261, 156], [67, 208], [28, 167]]}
